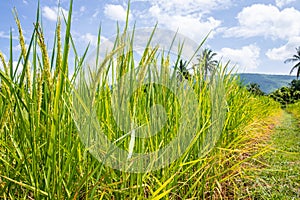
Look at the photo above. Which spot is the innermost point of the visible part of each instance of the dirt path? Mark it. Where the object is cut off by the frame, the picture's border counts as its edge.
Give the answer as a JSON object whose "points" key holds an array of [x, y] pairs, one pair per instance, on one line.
{"points": [[280, 179]]}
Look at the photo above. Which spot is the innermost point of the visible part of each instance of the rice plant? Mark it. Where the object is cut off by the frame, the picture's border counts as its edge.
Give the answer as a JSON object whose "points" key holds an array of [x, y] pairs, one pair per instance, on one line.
{"points": [[48, 114]]}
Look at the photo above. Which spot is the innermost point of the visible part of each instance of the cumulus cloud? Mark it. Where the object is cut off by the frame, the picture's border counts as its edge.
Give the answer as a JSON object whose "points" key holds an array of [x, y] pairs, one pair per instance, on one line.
{"points": [[281, 3], [116, 12], [191, 18], [91, 38], [285, 51], [267, 21], [190, 25], [245, 58], [52, 13], [187, 7]]}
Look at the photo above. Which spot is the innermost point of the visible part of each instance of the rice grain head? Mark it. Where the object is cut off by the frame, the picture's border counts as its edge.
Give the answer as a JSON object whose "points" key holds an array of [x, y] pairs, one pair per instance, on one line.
{"points": [[46, 74], [23, 50], [4, 63]]}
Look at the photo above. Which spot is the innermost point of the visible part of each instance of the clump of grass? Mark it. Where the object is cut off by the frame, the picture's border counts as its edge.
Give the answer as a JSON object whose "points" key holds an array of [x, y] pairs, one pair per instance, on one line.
{"points": [[42, 155]]}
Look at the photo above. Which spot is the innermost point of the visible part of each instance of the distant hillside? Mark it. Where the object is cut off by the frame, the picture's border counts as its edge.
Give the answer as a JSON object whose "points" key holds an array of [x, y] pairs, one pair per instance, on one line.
{"points": [[268, 83]]}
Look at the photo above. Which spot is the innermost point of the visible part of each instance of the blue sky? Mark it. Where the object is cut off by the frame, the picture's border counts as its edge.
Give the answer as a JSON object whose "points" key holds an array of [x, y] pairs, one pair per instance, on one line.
{"points": [[255, 35]]}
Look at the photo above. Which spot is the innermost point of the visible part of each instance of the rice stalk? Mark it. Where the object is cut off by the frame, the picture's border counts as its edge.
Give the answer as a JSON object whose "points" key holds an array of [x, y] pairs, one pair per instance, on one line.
{"points": [[23, 50], [46, 73], [4, 63], [43, 156], [57, 72]]}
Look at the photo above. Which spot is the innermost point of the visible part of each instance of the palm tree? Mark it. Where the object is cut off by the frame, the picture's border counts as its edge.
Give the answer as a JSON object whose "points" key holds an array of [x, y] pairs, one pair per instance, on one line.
{"points": [[207, 62], [295, 58], [182, 71]]}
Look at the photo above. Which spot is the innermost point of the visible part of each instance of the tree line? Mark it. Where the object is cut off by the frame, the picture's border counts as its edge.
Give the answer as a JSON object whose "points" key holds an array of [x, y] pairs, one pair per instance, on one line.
{"points": [[287, 94], [207, 64]]}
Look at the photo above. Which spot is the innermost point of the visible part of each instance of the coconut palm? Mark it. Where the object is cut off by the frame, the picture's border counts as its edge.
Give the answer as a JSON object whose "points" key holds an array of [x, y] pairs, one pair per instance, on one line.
{"points": [[207, 62], [182, 71], [295, 58]]}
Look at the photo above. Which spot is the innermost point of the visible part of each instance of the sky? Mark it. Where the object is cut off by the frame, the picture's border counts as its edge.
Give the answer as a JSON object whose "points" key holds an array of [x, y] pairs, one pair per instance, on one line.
{"points": [[257, 36]]}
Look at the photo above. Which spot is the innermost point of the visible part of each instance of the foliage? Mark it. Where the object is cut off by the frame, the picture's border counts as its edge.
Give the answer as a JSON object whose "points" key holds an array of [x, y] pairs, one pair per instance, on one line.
{"points": [[294, 109], [42, 155], [182, 71], [287, 95], [207, 62], [254, 88], [295, 58]]}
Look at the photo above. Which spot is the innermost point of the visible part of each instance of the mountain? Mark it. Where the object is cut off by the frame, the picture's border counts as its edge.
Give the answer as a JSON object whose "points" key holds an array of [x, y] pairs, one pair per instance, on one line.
{"points": [[268, 83]]}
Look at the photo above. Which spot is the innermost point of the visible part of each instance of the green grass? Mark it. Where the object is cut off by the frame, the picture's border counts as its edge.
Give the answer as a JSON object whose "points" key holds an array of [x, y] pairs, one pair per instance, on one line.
{"points": [[43, 157], [294, 109], [279, 177]]}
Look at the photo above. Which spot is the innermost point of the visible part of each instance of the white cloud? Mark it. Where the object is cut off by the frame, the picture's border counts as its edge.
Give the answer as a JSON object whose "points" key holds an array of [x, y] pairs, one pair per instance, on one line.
{"points": [[6, 36], [15, 63], [245, 58], [20, 68], [25, 2], [281, 3], [190, 25], [18, 47], [96, 14], [89, 38], [82, 9], [92, 39], [267, 21], [285, 51], [187, 7], [190, 17], [116, 12], [51, 13]]}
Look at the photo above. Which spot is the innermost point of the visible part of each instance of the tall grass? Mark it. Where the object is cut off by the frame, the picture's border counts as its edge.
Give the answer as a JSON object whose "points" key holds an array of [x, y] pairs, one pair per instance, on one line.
{"points": [[43, 155]]}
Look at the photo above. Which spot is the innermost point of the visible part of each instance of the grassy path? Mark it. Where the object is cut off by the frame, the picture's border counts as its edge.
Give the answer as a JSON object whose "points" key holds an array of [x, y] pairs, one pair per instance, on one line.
{"points": [[280, 177]]}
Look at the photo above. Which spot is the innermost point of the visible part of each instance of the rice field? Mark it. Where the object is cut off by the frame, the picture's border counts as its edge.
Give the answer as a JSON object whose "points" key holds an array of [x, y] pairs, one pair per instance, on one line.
{"points": [[197, 136]]}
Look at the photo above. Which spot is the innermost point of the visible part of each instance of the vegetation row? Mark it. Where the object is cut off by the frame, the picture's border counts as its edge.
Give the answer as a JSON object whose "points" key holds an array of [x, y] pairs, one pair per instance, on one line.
{"points": [[44, 157]]}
